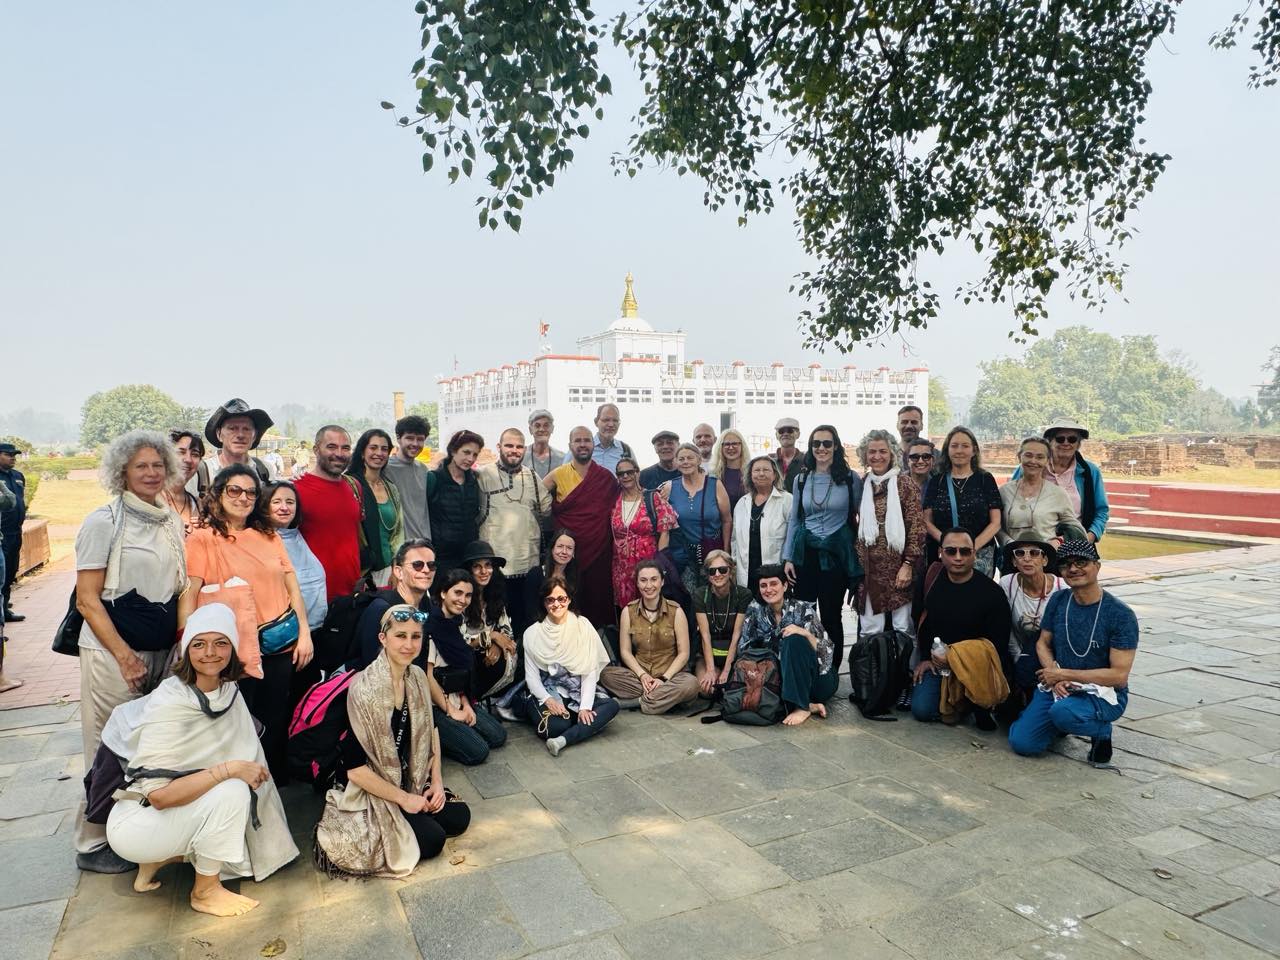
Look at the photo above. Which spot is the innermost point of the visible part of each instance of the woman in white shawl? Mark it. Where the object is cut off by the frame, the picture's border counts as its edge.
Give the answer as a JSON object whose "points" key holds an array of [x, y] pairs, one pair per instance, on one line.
{"points": [[563, 657], [197, 787], [891, 534]]}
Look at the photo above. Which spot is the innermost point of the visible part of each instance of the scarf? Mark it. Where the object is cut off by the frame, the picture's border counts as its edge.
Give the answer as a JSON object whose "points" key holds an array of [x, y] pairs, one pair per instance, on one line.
{"points": [[360, 834], [136, 511], [179, 729], [976, 676], [895, 529], [446, 633], [574, 645]]}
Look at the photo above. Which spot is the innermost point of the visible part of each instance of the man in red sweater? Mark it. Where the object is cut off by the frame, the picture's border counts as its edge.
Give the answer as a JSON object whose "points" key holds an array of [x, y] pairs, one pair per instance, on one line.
{"points": [[329, 511]]}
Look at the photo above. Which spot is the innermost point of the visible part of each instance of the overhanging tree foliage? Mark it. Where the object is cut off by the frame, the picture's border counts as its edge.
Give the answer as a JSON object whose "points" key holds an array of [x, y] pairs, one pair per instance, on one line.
{"points": [[897, 128]]}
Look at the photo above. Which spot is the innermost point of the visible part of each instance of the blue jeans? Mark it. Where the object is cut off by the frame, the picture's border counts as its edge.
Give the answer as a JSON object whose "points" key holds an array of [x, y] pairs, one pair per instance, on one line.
{"points": [[469, 745], [1081, 713], [569, 727], [925, 697]]}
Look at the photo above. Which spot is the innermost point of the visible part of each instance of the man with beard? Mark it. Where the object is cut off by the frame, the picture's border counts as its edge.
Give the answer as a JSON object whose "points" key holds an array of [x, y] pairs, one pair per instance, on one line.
{"points": [[910, 422], [584, 496], [410, 476], [330, 509], [704, 438], [512, 506]]}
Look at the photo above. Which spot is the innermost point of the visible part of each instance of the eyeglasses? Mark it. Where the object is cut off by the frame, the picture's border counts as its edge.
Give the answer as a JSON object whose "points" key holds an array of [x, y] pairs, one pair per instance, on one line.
{"points": [[919, 456], [1060, 438], [782, 430], [958, 551], [421, 565], [1073, 562], [404, 616], [717, 571], [823, 444], [731, 443], [556, 601], [627, 473], [235, 493], [1021, 552]]}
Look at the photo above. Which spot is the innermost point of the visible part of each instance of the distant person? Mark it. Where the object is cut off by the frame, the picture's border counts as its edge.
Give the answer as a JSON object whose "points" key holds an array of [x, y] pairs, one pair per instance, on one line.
{"points": [[728, 462], [965, 496], [910, 423], [179, 496], [608, 448], [1084, 680], [541, 457], [131, 569], [409, 474], [788, 457], [382, 519], [585, 493], [1079, 479], [1034, 508], [922, 457], [233, 430], [453, 499], [11, 525], [274, 462], [702, 508], [969, 616], [704, 440], [637, 534], [7, 503], [331, 511], [760, 521], [665, 443], [513, 507]]}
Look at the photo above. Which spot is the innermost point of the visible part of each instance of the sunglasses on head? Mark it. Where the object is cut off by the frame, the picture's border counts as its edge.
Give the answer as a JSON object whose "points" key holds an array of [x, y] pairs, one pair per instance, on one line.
{"points": [[919, 456], [421, 565], [824, 444], [404, 616], [717, 571], [1063, 438], [958, 551], [1021, 552]]}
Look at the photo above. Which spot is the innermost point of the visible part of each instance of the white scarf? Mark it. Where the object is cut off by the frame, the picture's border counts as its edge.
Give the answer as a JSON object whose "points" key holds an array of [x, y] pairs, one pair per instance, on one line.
{"points": [[132, 507], [895, 529], [574, 645]]}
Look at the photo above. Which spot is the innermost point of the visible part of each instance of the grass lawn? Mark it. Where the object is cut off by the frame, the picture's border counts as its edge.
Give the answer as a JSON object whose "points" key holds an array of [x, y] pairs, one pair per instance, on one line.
{"points": [[1220, 476], [1124, 547], [65, 504]]}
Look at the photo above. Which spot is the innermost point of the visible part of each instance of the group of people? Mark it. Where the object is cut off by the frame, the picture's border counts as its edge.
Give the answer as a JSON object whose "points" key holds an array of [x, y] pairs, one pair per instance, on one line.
{"points": [[434, 605]]}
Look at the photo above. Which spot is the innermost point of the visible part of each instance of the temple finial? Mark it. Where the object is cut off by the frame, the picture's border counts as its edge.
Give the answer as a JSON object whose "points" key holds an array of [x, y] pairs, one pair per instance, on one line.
{"points": [[629, 306]]}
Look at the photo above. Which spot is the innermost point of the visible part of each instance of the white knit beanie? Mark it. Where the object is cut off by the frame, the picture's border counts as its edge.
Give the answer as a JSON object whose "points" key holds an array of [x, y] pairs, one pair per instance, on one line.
{"points": [[211, 618]]}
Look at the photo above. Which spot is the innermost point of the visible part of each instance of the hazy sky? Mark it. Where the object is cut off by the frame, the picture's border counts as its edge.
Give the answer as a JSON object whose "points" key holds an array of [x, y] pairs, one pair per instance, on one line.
{"points": [[210, 199]]}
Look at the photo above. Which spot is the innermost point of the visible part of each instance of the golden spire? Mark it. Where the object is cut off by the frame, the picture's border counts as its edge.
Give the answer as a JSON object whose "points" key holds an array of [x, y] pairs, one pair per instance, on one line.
{"points": [[629, 306]]}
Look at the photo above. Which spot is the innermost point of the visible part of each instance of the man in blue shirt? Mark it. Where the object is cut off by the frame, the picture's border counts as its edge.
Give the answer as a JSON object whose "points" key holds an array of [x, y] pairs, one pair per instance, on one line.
{"points": [[608, 450], [664, 445], [1088, 640]]}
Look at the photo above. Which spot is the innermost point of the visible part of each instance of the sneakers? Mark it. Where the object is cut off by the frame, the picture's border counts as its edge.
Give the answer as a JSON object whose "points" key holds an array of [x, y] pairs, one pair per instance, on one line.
{"points": [[104, 860], [1099, 752], [555, 745]]}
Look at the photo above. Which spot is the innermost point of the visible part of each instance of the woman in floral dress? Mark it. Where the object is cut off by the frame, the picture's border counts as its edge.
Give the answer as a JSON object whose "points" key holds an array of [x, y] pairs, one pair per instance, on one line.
{"points": [[634, 536]]}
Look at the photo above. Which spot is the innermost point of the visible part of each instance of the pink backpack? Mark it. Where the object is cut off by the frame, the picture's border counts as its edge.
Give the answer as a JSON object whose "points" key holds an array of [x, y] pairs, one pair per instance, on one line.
{"points": [[317, 731]]}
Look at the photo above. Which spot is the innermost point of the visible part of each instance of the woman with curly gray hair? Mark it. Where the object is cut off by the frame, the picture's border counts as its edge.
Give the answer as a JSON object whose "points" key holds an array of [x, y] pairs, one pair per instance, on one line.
{"points": [[130, 570], [891, 535]]}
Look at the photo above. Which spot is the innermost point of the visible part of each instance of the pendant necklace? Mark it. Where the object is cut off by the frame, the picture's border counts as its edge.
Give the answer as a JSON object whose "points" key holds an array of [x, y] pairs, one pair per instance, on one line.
{"points": [[1079, 654]]}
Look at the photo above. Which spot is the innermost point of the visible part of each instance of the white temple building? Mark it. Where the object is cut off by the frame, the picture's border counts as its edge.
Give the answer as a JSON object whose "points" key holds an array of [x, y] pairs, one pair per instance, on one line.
{"points": [[646, 373]]}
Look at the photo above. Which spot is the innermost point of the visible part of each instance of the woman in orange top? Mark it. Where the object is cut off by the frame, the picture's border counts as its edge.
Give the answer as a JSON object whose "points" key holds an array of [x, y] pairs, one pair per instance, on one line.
{"points": [[235, 539]]}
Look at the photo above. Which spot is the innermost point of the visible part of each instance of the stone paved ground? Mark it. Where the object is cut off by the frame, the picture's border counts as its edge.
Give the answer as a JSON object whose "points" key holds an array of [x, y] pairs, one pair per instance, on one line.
{"points": [[664, 839]]}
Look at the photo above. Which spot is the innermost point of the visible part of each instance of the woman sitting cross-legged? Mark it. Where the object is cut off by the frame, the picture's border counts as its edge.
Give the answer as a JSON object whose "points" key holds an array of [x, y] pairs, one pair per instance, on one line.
{"points": [[653, 641], [790, 631], [563, 657], [390, 808], [197, 786]]}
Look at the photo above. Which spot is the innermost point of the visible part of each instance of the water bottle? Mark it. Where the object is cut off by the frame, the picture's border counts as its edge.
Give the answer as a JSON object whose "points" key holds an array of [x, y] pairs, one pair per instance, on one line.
{"points": [[938, 649]]}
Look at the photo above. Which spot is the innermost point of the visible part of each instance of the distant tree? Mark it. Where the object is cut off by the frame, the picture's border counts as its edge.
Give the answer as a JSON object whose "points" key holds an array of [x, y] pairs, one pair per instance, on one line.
{"points": [[939, 405], [108, 414], [1209, 411], [1117, 386], [193, 418], [25, 446], [430, 410], [1269, 392]]}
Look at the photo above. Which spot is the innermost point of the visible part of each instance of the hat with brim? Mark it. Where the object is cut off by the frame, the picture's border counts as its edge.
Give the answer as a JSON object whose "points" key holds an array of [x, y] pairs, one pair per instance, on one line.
{"points": [[665, 435], [1050, 555], [791, 422], [539, 414], [1065, 423], [480, 550], [237, 408]]}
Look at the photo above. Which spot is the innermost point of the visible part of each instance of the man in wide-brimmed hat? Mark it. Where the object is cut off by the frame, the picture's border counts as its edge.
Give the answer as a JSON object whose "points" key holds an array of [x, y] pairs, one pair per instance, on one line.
{"points": [[1079, 479], [233, 430]]}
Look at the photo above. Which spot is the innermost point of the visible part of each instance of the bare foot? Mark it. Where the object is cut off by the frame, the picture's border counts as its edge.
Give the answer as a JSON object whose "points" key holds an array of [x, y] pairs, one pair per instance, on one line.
{"points": [[819, 710], [795, 718], [218, 901], [145, 880], [6, 684]]}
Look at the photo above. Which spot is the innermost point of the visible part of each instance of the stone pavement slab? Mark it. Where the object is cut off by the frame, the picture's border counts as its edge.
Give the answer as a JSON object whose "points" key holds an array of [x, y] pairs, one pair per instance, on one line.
{"points": [[1159, 933], [29, 930], [975, 928], [1251, 920], [641, 883]]}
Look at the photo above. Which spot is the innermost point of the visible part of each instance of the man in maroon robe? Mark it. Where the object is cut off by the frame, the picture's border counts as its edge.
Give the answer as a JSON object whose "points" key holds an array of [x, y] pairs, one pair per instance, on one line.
{"points": [[585, 493]]}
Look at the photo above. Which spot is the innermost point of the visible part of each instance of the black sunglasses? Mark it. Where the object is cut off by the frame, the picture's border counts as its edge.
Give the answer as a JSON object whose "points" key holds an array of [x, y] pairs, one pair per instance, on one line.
{"points": [[958, 551], [715, 571], [404, 616], [627, 473], [823, 444], [919, 456], [421, 565], [1060, 438]]}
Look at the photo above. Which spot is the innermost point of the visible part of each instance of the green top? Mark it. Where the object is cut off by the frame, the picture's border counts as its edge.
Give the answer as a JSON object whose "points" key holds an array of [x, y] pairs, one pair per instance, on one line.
{"points": [[386, 523]]}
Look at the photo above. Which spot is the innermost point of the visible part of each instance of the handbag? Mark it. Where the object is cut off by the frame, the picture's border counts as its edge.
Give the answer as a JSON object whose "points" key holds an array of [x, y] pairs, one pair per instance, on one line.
{"points": [[66, 639], [453, 679], [280, 635]]}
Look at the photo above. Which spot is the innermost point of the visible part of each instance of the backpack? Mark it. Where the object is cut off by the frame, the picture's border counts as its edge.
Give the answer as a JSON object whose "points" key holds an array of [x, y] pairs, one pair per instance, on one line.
{"points": [[879, 667], [203, 479], [335, 640], [753, 693], [316, 731]]}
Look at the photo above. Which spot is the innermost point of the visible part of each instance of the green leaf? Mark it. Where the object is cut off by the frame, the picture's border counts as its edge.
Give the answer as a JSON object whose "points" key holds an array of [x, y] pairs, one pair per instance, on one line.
{"points": [[386, 105]]}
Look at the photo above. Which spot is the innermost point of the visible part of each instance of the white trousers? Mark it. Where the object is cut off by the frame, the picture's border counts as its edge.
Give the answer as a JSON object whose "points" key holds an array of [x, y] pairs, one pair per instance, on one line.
{"points": [[102, 689], [208, 831], [869, 623]]}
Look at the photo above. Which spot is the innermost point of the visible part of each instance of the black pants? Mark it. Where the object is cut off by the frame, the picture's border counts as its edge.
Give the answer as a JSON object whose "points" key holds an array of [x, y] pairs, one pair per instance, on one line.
{"points": [[432, 828], [269, 701], [569, 727], [523, 605], [12, 548], [828, 588]]}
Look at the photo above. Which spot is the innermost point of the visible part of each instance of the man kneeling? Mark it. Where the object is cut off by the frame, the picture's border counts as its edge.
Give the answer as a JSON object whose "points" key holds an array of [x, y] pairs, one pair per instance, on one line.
{"points": [[968, 615], [1087, 643], [653, 642]]}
